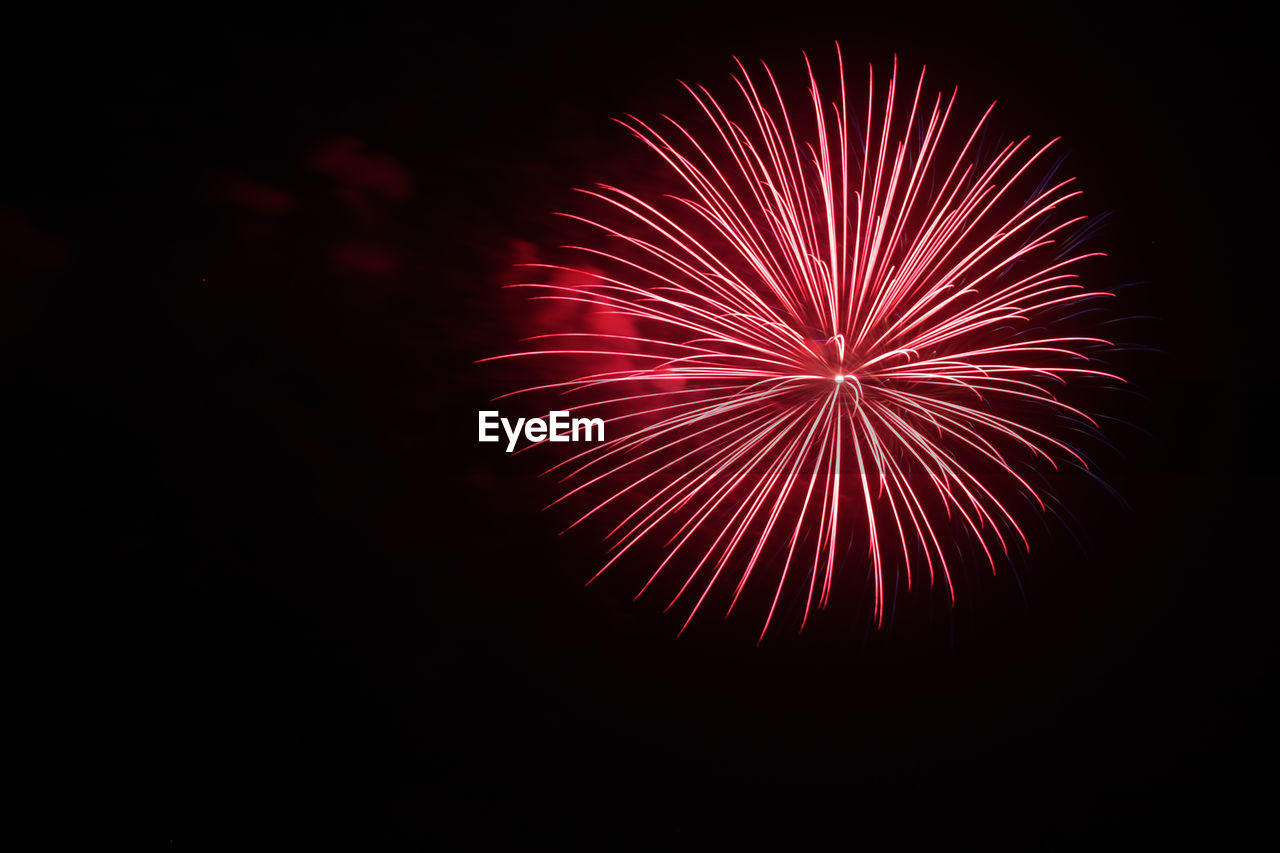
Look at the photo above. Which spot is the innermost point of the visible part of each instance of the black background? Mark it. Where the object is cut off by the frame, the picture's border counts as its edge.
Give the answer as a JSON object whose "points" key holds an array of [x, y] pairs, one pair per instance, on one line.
{"points": [[263, 576]]}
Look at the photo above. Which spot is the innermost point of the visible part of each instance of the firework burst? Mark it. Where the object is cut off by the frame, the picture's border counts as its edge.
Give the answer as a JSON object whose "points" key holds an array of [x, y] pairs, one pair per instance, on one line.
{"points": [[841, 329]]}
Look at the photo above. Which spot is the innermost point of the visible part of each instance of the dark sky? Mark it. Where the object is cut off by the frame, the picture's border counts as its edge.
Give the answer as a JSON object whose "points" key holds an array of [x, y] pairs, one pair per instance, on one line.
{"points": [[262, 564]]}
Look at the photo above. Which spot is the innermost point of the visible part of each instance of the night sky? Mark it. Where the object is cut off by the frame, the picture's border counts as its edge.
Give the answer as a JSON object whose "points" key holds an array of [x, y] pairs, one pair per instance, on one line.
{"points": [[264, 576]]}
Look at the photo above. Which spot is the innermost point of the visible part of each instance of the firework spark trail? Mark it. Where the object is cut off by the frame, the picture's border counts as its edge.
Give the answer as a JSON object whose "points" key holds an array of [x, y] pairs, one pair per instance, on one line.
{"points": [[840, 339]]}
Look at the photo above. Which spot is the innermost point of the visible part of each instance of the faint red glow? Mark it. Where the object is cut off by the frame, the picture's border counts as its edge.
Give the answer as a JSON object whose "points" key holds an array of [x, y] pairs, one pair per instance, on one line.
{"points": [[236, 189], [345, 160], [362, 257]]}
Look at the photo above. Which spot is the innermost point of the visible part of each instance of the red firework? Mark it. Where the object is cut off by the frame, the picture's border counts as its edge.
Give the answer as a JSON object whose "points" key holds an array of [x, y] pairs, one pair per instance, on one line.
{"points": [[826, 336]]}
